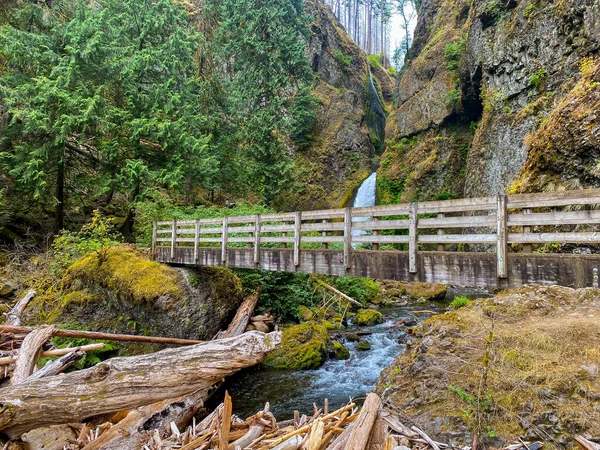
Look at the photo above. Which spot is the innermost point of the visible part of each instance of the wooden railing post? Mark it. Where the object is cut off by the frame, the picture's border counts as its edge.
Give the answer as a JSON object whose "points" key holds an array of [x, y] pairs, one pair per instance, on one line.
{"points": [[297, 237], [196, 240], [324, 234], [441, 232], [173, 239], [154, 236], [527, 248], [257, 240], [502, 236], [412, 236], [284, 234], [375, 245], [224, 240], [348, 238]]}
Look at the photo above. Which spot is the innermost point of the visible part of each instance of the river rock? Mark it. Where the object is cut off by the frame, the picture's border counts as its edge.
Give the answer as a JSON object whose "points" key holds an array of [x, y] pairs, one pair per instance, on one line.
{"points": [[519, 335], [339, 351], [368, 317], [302, 347], [363, 345], [122, 290], [7, 288]]}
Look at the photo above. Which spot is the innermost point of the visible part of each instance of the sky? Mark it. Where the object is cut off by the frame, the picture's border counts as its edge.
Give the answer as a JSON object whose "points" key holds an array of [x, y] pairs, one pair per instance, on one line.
{"points": [[396, 31]]}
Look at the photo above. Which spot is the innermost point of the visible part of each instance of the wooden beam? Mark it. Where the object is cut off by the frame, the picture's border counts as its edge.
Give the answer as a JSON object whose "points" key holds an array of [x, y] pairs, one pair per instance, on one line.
{"points": [[224, 234], [441, 232], [323, 234], [257, 239], [527, 248], [375, 232], [297, 237], [103, 336], [348, 238], [502, 236], [154, 235], [412, 238], [173, 239], [196, 239]]}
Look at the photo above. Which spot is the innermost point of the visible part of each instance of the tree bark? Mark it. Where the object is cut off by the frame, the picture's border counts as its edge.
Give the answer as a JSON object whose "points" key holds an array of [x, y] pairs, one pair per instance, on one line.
{"points": [[60, 193], [13, 317], [58, 366], [242, 317], [129, 382], [364, 423]]}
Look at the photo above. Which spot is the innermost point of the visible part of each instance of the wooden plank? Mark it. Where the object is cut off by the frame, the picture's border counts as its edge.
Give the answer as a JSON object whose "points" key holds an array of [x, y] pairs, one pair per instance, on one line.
{"points": [[384, 210], [277, 239], [196, 241], [378, 224], [394, 239], [554, 238], [164, 239], [257, 239], [169, 231], [412, 238], [324, 226], [154, 235], [173, 239], [323, 239], [279, 217], [348, 238], [547, 199], [502, 235], [554, 218], [277, 228], [297, 237], [224, 240], [460, 205], [213, 239], [457, 239], [323, 214], [457, 222]]}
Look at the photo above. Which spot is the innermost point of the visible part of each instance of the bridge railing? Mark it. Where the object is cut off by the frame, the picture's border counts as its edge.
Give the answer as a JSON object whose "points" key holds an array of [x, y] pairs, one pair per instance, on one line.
{"points": [[486, 223]]}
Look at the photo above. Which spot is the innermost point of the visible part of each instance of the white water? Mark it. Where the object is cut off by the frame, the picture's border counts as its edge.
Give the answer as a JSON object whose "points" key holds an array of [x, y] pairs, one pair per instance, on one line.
{"points": [[365, 196]]}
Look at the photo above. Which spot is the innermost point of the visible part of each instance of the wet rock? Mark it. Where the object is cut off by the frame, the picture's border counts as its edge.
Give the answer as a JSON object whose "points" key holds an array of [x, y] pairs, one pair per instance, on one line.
{"points": [[364, 345], [7, 288], [339, 351], [368, 317], [302, 347], [352, 337]]}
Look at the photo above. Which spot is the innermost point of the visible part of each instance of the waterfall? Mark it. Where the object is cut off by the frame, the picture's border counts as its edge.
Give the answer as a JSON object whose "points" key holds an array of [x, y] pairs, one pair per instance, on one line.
{"points": [[365, 196], [375, 116]]}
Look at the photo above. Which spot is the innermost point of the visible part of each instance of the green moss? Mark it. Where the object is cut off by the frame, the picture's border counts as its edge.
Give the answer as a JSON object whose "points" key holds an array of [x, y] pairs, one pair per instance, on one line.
{"points": [[368, 317], [127, 272], [363, 346], [302, 347], [339, 351]]}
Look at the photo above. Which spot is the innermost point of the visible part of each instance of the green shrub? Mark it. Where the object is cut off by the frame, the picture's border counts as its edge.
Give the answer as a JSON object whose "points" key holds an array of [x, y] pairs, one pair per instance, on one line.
{"points": [[363, 290], [342, 58], [375, 60], [537, 78], [70, 246], [453, 53], [459, 302], [453, 97]]}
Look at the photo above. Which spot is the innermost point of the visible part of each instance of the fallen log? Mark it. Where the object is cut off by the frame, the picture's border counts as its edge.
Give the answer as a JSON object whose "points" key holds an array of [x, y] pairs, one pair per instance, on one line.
{"points": [[128, 382], [29, 353], [585, 444], [104, 336], [60, 365], [55, 352], [339, 293], [366, 418], [13, 317], [241, 318]]}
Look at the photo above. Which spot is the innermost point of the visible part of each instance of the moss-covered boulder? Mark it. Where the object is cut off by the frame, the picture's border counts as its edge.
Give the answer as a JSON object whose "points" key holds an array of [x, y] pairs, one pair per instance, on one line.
{"points": [[428, 291], [302, 346], [368, 317], [363, 346], [528, 357], [305, 312], [120, 289], [339, 351]]}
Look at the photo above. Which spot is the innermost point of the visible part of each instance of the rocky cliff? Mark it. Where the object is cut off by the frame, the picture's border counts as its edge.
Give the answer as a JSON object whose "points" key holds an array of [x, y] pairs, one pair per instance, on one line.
{"points": [[343, 151], [487, 84]]}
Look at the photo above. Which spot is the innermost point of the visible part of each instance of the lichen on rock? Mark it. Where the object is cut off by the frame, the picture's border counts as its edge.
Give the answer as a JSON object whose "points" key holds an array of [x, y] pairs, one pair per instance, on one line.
{"points": [[302, 347], [515, 365]]}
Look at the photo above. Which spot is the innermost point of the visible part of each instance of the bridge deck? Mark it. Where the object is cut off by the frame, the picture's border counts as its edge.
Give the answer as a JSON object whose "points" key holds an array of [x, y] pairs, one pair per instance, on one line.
{"points": [[416, 237]]}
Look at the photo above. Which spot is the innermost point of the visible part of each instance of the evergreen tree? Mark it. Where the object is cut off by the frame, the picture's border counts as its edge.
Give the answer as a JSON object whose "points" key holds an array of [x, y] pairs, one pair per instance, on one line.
{"points": [[102, 102]]}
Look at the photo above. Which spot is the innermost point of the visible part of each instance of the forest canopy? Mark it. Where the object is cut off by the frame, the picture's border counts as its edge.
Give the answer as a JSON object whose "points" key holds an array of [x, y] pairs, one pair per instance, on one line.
{"points": [[103, 103]]}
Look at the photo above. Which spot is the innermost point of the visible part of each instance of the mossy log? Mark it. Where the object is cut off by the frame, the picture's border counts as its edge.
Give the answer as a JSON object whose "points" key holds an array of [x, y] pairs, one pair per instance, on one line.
{"points": [[128, 382]]}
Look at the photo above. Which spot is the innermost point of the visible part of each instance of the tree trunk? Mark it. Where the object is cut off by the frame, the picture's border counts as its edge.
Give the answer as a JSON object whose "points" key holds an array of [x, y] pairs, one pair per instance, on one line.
{"points": [[59, 220], [129, 382]]}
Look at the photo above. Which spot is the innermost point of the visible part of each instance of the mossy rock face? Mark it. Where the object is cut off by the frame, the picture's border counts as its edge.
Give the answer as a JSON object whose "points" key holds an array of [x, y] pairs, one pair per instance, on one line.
{"points": [[364, 345], [302, 346], [368, 317], [122, 290], [339, 351], [539, 348]]}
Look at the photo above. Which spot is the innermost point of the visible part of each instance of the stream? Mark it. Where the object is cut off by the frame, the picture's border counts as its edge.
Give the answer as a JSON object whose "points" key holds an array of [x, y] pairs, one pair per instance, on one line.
{"points": [[337, 381]]}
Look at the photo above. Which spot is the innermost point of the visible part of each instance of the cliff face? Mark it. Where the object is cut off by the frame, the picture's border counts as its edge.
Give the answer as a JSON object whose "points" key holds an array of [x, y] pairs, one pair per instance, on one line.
{"points": [[483, 77], [342, 152]]}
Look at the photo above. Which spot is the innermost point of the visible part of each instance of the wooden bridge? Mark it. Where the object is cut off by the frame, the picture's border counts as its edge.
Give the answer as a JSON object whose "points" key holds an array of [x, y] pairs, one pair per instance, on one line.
{"points": [[488, 242]]}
